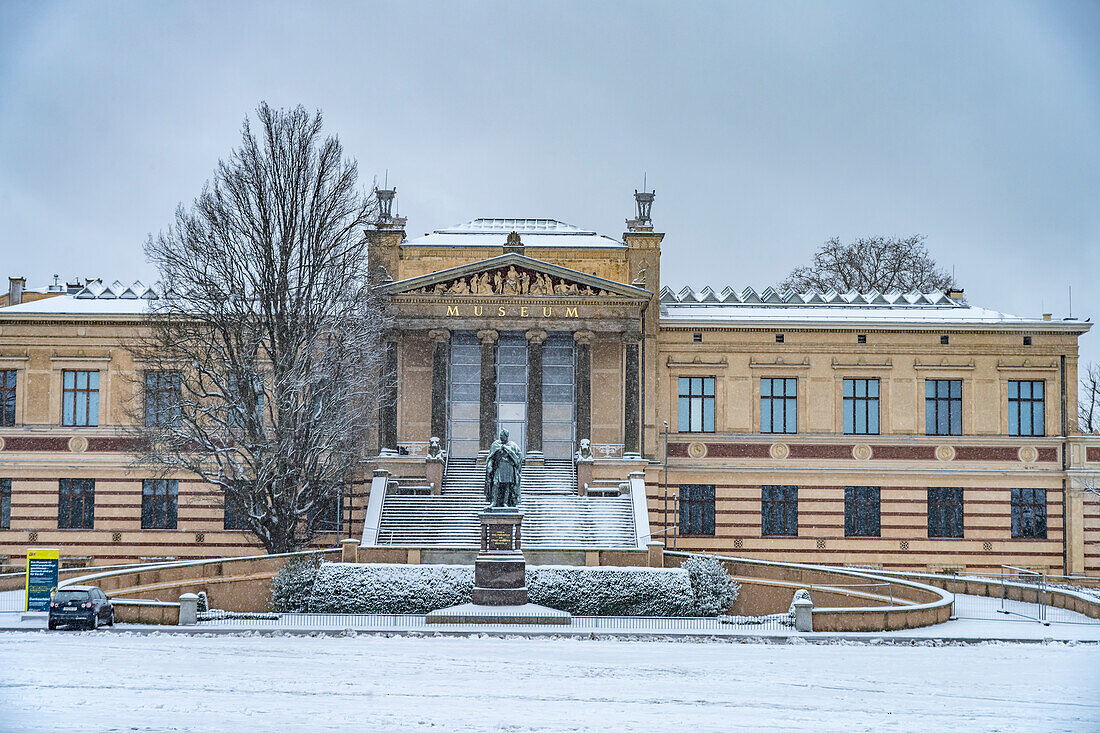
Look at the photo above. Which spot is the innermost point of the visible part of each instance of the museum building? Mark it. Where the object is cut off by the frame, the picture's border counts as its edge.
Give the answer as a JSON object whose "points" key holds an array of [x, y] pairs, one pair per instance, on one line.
{"points": [[891, 430]]}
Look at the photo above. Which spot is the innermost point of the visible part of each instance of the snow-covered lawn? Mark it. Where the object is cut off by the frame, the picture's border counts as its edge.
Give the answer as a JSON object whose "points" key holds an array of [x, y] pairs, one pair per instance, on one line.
{"points": [[103, 681]]}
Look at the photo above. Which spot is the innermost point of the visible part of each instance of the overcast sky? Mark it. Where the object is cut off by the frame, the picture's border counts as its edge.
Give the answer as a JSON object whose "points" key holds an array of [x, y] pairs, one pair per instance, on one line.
{"points": [[765, 128]]}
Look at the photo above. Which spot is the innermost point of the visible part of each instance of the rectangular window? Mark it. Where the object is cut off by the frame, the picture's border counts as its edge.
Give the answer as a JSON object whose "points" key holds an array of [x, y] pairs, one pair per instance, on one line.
{"points": [[1026, 413], [7, 397], [76, 503], [779, 510], [329, 512], [861, 406], [1029, 513], [5, 503], [778, 405], [79, 398], [945, 511], [943, 407], [696, 404], [234, 515], [696, 509], [159, 503], [162, 399], [861, 511]]}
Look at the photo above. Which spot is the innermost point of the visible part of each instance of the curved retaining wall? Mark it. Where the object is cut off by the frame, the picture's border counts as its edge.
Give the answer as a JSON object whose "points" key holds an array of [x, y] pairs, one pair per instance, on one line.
{"points": [[914, 604], [231, 583]]}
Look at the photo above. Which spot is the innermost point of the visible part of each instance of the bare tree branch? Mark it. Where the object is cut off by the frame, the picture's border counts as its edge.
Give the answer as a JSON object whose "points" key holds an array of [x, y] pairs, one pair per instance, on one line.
{"points": [[267, 335], [1088, 400], [881, 264]]}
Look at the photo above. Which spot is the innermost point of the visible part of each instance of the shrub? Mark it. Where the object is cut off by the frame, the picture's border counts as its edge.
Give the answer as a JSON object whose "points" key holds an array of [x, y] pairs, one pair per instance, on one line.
{"points": [[292, 585], [606, 591], [715, 590], [356, 588], [611, 591]]}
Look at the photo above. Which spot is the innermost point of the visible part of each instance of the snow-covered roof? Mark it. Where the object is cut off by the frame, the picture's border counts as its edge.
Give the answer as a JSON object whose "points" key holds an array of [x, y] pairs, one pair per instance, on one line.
{"points": [[95, 297], [489, 232], [770, 307]]}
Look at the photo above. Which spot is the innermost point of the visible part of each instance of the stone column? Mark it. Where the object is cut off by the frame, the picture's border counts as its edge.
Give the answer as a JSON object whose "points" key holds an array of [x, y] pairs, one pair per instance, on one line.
{"points": [[441, 344], [582, 393], [535, 337], [388, 417], [488, 428], [632, 401]]}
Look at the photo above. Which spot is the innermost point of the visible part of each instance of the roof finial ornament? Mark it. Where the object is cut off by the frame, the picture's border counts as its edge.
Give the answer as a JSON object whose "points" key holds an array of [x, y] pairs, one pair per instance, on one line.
{"points": [[644, 201], [514, 243], [386, 217]]}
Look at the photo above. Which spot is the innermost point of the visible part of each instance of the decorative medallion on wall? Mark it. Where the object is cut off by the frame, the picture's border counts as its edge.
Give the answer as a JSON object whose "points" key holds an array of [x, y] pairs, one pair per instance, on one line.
{"points": [[779, 451], [987, 546], [1028, 454], [861, 452], [78, 444], [738, 544], [200, 537], [904, 544], [697, 450], [32, 537], [821, 544], [945, 453], [116, 537]]}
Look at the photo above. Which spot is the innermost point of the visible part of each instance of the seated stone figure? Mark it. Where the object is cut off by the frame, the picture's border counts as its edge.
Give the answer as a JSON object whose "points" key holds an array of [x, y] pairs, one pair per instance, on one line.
{"points": [[502, 472]]}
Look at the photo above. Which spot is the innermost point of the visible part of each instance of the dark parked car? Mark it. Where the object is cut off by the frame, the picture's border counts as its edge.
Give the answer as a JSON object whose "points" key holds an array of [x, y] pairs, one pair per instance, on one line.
{"points": [[81, 605]]}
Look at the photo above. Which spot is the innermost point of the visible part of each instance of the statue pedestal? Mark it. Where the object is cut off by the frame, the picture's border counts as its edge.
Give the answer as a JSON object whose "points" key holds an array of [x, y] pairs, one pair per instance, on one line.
{"points": [[499, 594], [500, 569]]}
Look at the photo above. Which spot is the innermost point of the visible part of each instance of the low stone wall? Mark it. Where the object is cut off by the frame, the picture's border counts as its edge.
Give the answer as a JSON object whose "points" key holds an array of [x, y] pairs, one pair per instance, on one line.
{"points": [[769, 587], [146, 612], [231, 584], [466, 556]]}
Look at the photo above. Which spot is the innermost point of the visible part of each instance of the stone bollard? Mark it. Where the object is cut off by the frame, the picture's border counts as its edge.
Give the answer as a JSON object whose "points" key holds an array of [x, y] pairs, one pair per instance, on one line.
{"points": [[803, 609], [349, 550], [189, 609]]}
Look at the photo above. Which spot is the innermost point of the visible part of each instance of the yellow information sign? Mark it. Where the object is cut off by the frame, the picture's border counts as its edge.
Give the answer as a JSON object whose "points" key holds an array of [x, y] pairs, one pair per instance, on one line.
{"points": [[41, 583]]}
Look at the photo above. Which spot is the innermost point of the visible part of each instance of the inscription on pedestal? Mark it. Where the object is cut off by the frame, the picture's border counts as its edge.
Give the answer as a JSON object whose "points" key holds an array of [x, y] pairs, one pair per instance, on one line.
{"points": [[499, 537]]}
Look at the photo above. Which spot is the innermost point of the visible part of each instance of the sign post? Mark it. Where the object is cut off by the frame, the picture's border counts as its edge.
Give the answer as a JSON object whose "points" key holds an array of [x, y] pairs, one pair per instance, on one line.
{"points": [[41, 578]]}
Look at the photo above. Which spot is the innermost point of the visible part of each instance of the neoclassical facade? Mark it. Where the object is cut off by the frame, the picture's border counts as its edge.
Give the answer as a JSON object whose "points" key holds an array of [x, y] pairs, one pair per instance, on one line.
{"points": [[902, 431]]}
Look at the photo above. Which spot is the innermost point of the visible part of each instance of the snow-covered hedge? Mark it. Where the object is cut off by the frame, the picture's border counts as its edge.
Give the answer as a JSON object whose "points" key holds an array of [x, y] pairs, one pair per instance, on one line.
{"points": [[715, 589], [293, 584], [380, 588], [602, 591]]}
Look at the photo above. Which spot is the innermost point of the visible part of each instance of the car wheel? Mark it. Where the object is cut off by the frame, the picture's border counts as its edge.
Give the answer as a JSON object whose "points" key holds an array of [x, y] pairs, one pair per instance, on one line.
{"points": [[95, 621], [52, 625], [111, 619]]}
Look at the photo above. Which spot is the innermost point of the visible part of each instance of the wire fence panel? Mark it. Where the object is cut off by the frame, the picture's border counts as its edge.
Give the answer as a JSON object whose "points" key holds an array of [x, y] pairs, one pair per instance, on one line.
{"points": [[12, 601]]}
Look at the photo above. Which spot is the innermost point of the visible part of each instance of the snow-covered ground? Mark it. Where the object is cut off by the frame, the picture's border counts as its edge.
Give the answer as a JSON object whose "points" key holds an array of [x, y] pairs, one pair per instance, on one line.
{"points": [[102, 681]]}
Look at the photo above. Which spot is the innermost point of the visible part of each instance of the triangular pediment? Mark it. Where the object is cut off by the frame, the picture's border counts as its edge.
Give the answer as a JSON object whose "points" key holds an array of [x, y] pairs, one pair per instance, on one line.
{"points": [[513, 275]]}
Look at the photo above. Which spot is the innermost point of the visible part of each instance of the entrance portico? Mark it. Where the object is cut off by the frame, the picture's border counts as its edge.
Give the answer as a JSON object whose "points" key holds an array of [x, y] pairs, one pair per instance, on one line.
{"points": [[513, 342]]}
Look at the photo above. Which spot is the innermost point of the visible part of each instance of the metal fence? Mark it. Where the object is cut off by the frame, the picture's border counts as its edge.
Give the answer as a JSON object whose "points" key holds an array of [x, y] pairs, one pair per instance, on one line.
{"points": [[12, 601], [721, 625], [1030, 599]]}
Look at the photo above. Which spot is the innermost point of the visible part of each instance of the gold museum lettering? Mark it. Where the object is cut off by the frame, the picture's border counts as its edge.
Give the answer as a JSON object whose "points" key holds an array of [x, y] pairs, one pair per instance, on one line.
{"points": [[523, 311]]}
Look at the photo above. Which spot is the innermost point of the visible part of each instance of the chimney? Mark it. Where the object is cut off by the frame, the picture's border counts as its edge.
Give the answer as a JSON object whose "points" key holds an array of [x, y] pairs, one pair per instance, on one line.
{"points": [[955, 293], [15, 290]]}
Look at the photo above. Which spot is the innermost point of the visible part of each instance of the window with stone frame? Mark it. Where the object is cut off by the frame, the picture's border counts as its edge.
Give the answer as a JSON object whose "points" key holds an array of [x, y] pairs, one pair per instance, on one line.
{"points": [[162, 399], [696, 509], [1026, 407], [7, 397], [862, 514], [79, 398], [945, 511], [329, 511], [779, 510], [778, 405], [5, 503], [159, 503], [696, 404], [860, 406], [1029, 513], [76, 503], [943, 407]]}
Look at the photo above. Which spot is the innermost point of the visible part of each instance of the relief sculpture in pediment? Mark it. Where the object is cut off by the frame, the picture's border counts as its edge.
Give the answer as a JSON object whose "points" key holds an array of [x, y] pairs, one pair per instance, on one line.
{"points": [[511, 281]]}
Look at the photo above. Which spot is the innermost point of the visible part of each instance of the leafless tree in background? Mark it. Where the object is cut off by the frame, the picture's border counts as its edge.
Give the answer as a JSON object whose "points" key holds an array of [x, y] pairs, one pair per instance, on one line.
{"points": [[1088, 400], [871, 264], [259, 370]]}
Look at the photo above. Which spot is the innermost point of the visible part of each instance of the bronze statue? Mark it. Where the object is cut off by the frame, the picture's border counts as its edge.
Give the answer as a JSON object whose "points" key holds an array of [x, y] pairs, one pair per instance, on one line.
{"points": [[502, 473]]}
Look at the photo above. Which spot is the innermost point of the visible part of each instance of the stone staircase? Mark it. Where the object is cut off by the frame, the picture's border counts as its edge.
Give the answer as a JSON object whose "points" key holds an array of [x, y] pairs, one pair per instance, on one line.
{"points": [[554, 516]]}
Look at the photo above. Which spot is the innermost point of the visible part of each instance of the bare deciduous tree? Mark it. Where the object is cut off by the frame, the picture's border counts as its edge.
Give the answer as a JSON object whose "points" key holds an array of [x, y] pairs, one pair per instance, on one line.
{"points": [[870, 264], [1088, 400], [260, 363]]}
